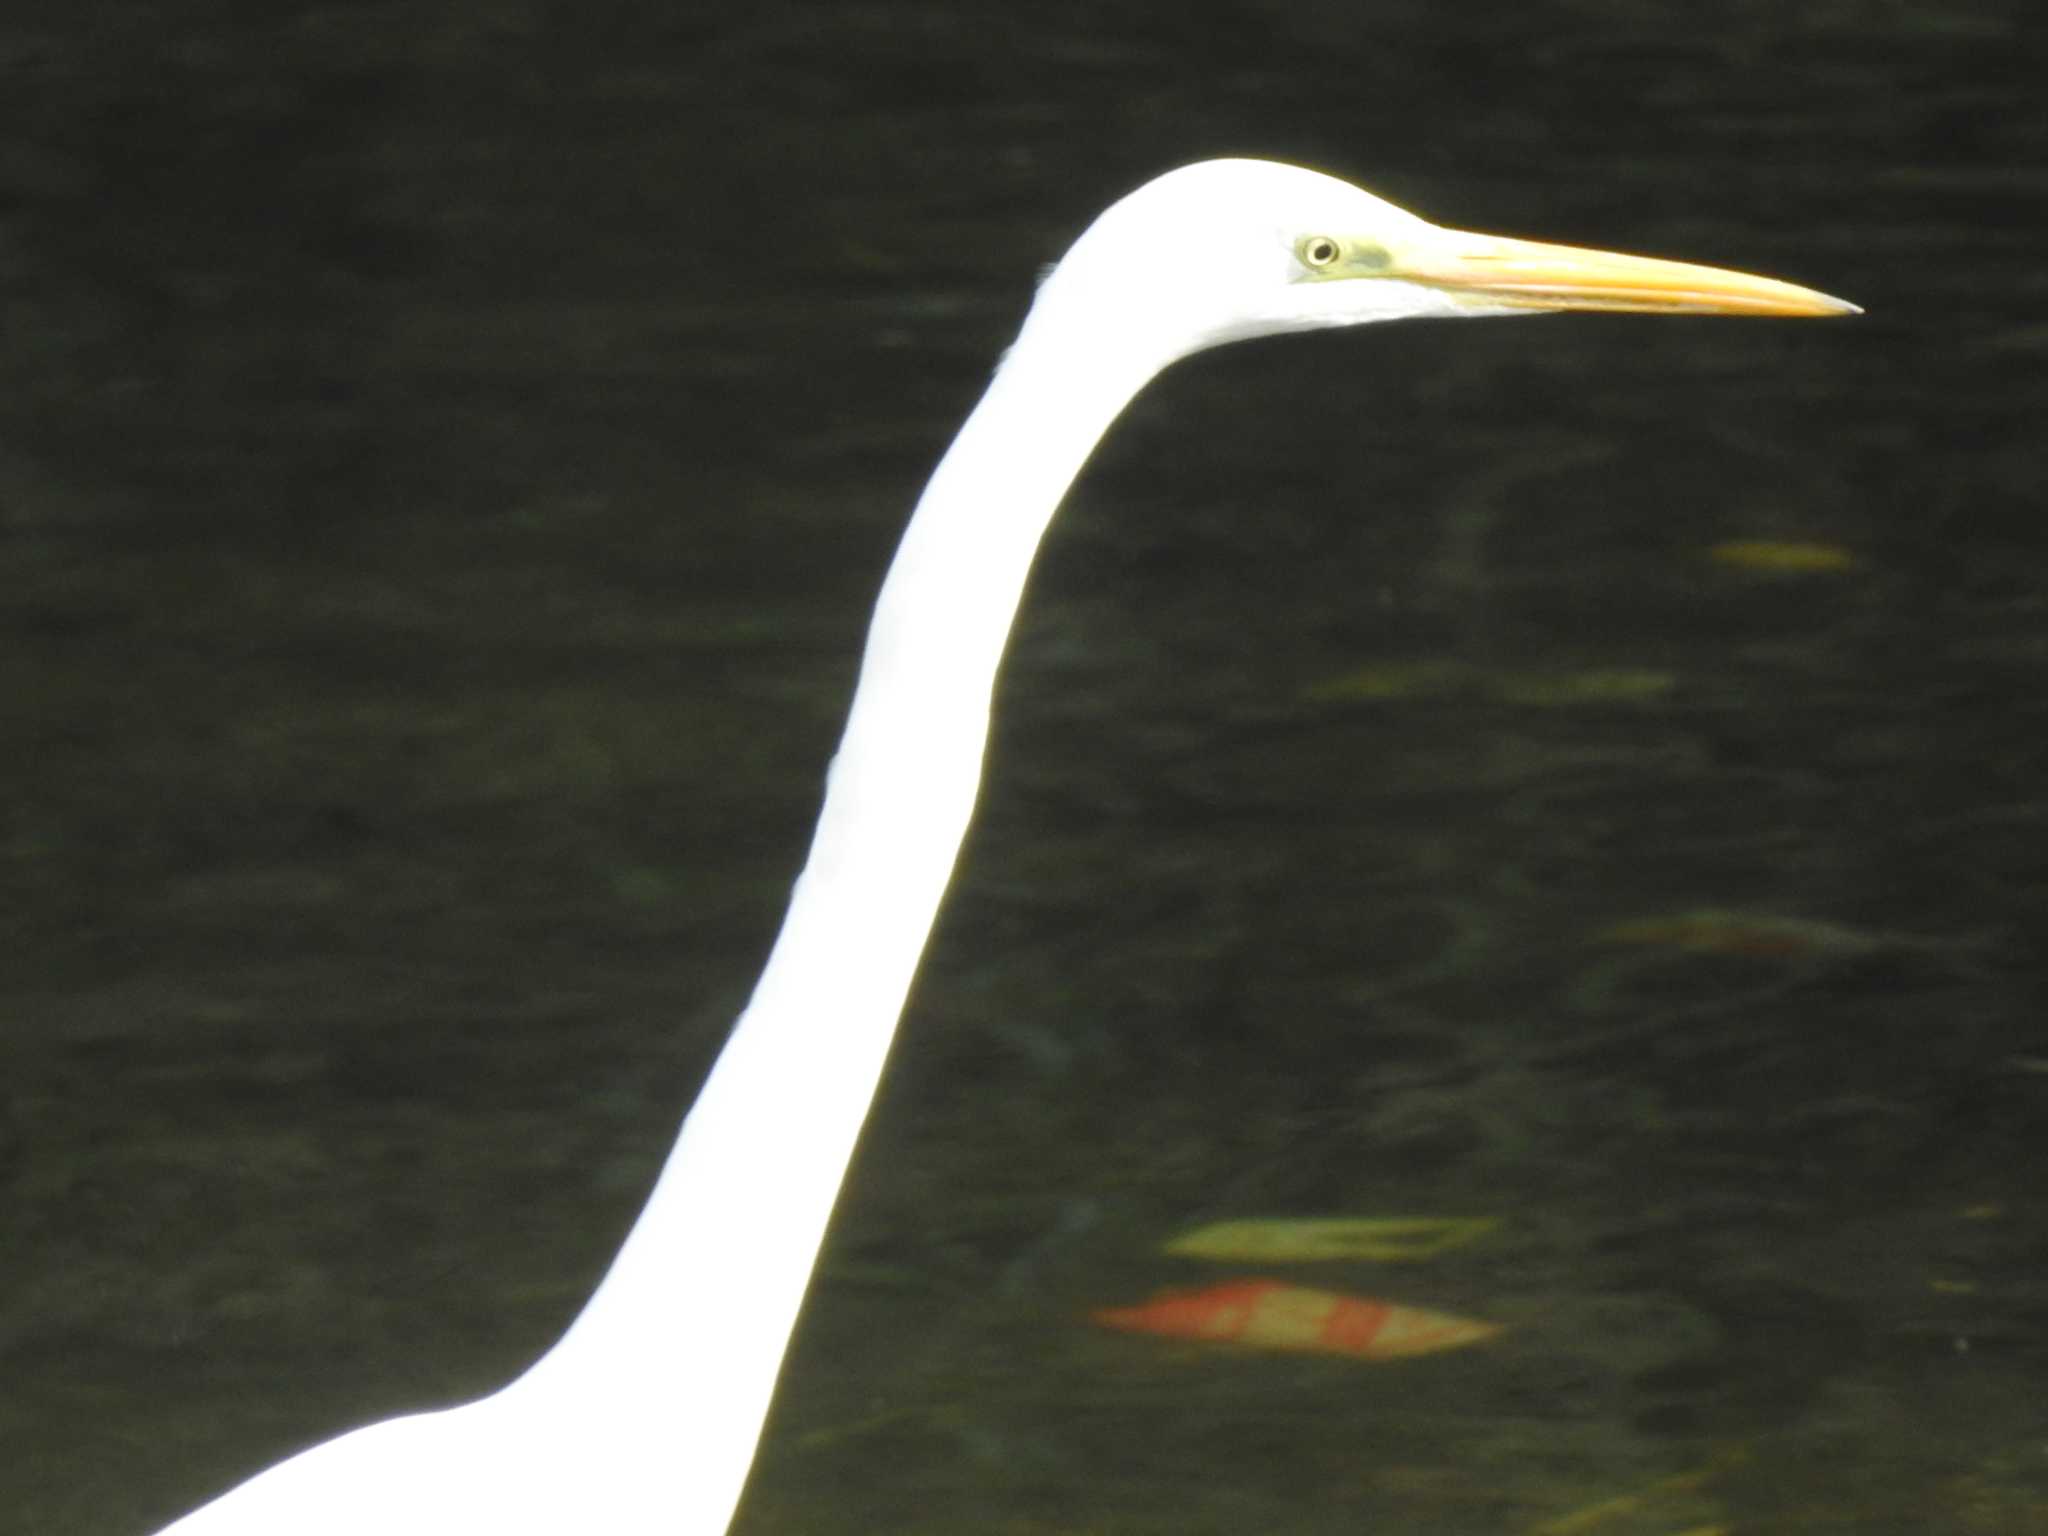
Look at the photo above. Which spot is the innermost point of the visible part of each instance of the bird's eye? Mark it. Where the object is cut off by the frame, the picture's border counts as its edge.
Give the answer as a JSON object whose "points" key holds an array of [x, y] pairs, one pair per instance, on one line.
{"points": [[1316, 251]]}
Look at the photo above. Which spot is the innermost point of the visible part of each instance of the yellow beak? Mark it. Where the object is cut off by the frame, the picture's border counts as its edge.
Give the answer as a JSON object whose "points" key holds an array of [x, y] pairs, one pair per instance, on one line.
{"points": [[1526, 274]]}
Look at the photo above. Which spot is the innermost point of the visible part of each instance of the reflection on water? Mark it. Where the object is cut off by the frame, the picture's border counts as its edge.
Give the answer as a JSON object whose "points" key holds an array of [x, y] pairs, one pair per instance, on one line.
{"points": [[1583, 778]]}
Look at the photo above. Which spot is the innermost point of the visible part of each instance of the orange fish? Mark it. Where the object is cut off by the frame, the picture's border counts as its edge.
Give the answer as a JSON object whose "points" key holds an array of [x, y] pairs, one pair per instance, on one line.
{"points": [[1269, 1314]]}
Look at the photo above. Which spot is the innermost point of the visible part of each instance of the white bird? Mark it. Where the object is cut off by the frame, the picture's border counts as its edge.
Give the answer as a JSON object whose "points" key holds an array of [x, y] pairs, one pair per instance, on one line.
{"points": [[643, 1419]]}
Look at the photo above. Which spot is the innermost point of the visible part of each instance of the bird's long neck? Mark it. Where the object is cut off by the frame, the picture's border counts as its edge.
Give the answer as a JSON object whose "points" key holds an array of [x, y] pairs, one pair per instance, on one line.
{"points": [[679, 1348]]}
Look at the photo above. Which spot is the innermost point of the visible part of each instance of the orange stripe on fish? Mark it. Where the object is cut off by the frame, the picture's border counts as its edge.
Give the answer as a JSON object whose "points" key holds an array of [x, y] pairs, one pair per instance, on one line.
{"points": [[1270, 1314]]}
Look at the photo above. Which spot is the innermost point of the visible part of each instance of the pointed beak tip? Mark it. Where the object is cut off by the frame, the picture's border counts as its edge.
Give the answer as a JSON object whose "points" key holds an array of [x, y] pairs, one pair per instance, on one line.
{"points": [[1816, 306]]}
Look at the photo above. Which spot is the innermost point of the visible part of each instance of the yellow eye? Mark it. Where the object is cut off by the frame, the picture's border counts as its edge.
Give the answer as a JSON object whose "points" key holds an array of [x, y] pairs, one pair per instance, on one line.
{"points": [[1316, 251]]}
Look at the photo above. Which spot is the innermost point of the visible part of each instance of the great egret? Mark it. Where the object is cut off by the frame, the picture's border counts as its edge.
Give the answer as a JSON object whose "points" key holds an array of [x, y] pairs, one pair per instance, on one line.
{"points": [[645, 1416]]}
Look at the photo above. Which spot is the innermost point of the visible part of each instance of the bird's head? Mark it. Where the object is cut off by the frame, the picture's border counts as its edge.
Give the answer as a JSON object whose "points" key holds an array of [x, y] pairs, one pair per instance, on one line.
{"points": [[1229, 249]]}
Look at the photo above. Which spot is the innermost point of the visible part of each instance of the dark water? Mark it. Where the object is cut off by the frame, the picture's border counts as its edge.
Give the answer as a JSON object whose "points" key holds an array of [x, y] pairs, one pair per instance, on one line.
{"points": [[446, 454]]}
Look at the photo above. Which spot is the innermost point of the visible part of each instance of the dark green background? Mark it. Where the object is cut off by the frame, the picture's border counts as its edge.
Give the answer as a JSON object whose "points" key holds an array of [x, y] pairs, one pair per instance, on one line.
{"points": [[446, 454]]}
